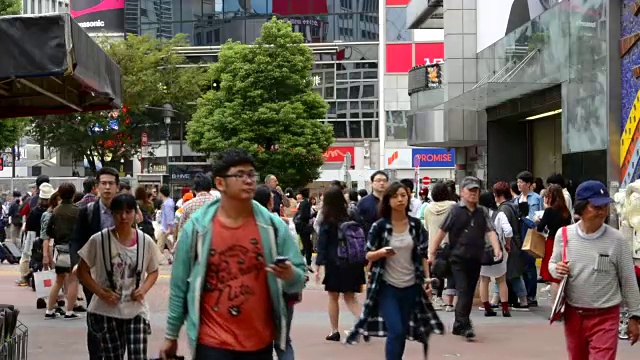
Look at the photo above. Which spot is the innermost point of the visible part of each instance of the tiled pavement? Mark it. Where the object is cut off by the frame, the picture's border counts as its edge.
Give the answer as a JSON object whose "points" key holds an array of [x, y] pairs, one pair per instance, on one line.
{"points": [[524, 336]]}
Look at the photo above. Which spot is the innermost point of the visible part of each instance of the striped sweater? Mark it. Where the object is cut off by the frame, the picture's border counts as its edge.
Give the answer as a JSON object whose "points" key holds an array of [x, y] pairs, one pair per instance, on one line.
{"points": [[601, 269]]}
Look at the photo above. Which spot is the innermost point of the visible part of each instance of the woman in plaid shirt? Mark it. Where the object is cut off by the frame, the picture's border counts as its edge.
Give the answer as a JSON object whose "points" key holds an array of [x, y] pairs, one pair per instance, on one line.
{"points": [[397, 292]]}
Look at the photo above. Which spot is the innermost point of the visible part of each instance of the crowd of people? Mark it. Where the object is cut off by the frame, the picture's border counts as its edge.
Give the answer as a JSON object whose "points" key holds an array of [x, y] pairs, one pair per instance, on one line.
{"points": [[241, 254]]}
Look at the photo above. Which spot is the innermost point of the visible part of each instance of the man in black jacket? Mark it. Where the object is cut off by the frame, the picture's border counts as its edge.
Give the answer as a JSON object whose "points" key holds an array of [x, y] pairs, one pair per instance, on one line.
{"points": [[92, 219]]}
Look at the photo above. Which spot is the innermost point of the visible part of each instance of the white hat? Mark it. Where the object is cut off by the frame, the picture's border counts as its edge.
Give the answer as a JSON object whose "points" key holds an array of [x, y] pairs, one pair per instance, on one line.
{"points": [[46, 190]]}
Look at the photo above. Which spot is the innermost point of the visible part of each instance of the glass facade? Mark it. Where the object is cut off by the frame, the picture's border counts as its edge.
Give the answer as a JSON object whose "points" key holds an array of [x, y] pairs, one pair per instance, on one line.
{"points": [[567, 44], [212, 22], [345, 72]]}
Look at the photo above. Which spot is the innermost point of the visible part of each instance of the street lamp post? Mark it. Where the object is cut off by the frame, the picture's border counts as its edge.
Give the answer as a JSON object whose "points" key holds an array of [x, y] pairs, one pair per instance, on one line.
{"points": [[168, 113]]}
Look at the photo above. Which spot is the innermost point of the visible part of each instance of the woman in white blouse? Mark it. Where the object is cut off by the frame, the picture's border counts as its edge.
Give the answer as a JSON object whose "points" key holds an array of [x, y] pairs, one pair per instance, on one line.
{"points": [[498, 271]]}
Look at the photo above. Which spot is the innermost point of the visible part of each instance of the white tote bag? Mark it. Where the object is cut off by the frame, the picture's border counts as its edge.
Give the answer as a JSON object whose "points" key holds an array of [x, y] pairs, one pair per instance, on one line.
{"points": [[44, 280]]}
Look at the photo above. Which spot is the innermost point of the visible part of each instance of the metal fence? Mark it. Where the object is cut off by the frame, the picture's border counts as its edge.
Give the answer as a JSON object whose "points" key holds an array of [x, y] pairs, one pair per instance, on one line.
{"points": [[22, 184]]}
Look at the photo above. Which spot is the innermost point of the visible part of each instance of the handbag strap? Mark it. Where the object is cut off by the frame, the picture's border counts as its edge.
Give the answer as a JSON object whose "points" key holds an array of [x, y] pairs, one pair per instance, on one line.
{"points": [[565, 237]]}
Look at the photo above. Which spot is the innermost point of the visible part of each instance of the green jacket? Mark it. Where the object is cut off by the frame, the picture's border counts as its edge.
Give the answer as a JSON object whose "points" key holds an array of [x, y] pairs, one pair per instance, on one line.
{"points": [[189, 268]]}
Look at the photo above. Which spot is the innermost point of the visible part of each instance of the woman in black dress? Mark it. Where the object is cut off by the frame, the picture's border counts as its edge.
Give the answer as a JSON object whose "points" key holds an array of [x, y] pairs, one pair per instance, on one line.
{"points": [[339, 278]]}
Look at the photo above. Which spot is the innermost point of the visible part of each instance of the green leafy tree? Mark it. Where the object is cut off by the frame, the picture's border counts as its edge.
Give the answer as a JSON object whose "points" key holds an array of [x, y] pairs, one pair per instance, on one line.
{"points": [[11, 130], [265, 105], [10, 7], [151, 76]]}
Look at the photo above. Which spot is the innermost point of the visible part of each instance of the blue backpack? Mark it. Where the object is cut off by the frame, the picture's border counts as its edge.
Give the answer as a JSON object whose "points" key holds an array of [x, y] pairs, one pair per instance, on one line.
{"points": [[352, 243]]}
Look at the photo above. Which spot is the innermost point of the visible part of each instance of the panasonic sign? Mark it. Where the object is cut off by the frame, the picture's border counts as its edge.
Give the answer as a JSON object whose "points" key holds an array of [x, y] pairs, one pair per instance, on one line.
{"points": [[92, 24]]}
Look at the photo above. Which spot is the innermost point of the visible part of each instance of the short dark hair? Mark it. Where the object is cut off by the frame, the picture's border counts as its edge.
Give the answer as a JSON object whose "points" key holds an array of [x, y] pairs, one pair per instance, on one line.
{"points": [[353, 195], [379, 172], [338, 183], [78, 196], [229, 158], [124, 185], [408, 183], [122, 202], [514, 187], [440, 192], [288, 192], [487, 200], [88, 184], [41, 179], [67, 191], [305, 192], [262, 195], [165, 190], [557, 179], [202, 182], [580, 206], [363, 192], [526, 177], [108, 171]]}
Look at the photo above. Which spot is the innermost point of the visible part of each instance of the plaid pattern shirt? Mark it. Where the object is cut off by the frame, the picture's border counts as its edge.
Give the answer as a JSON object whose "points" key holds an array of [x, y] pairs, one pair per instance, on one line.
{"points": [[424, 321], [194, 205]]}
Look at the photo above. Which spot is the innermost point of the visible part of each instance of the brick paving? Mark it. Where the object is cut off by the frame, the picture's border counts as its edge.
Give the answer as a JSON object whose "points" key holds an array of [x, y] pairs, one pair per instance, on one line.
{"points": [[524, 336]]}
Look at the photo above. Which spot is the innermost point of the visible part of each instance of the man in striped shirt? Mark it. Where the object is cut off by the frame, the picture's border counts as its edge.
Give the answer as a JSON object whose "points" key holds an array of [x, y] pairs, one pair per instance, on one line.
{"points": [[601, 278], [202, 186]]}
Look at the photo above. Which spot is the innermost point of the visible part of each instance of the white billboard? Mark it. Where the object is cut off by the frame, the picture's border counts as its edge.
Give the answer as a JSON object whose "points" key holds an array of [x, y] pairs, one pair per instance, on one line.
{"points": [[497, 18]]}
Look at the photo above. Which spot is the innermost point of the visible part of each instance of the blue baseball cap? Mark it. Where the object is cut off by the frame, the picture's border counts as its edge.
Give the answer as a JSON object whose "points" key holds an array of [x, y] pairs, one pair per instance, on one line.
{"points": [[595, 192]]}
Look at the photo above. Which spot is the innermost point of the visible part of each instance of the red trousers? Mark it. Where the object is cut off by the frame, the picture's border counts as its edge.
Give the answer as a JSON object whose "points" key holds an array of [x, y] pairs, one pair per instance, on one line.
{"points": [[592, 334]]}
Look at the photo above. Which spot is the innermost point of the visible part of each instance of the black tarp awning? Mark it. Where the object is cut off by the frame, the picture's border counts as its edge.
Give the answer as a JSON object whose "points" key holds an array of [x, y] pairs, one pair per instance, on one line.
{"points": [[50, 65]]}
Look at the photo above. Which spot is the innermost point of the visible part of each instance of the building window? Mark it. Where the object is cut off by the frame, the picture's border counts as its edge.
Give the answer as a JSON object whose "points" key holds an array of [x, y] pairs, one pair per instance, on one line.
{"points": [[397, 125], [397, 25]]}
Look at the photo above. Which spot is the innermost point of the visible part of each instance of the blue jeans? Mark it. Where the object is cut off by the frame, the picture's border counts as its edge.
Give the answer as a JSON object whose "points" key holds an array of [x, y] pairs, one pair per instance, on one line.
{"points": [[518, 287], [396, 306], [288, 354], [530, 276]]}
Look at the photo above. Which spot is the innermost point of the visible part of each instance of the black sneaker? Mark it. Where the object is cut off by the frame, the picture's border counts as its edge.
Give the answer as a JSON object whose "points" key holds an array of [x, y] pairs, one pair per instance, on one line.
{"points": [[366, 338], [457, 331], [60, 311], [518, 307], [490, 313], [41, 304], [51, 316], [79, 309], [72, 316], [470, 334], [533, 303], [506, 313], [333, 336]]}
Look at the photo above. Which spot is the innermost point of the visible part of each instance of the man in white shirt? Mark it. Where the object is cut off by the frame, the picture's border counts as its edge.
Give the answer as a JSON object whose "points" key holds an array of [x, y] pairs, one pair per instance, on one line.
{"points": [[416, 203]]}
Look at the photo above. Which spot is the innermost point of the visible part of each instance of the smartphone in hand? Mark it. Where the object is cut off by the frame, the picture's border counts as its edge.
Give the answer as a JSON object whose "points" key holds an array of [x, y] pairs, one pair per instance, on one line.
{"points": [[281, 260]]}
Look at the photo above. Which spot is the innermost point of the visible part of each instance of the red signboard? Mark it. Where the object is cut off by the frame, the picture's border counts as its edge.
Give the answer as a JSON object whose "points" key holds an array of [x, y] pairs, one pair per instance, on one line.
{"points": [[426, 180], [429, 53], [144, 138], [399, 59], [398, 2], [337, 154]]}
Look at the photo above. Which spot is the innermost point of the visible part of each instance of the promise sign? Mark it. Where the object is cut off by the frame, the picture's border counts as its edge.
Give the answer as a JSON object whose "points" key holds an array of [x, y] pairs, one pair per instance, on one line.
{"points": [[434, 157]]}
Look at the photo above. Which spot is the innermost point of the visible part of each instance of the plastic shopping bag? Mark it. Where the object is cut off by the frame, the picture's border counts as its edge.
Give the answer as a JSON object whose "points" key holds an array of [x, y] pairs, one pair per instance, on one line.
{"points": [[44, 280]]}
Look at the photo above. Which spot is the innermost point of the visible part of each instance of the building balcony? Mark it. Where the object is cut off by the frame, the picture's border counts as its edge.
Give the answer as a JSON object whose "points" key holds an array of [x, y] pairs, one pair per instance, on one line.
{"points": [[425, 14]]}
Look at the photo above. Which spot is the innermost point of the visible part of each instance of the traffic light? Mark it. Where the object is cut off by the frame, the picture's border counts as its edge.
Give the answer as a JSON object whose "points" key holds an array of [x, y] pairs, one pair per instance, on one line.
{"points": [[1, 163], [215, 85]]}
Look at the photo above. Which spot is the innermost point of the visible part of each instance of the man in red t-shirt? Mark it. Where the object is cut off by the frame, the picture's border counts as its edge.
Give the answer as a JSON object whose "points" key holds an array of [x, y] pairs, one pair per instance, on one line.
{"points": [[245, 260]]}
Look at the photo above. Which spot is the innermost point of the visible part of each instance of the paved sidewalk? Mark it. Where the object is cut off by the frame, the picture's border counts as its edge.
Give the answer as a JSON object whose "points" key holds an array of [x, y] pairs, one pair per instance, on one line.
{"points": [[524, 336]]}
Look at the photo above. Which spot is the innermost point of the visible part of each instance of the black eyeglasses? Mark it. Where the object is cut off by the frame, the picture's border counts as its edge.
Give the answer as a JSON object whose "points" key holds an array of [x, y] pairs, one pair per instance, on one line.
{"points": [[242, 176]]}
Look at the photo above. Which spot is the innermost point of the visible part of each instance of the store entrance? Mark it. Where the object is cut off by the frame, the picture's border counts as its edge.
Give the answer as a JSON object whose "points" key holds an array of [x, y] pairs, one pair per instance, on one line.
{"points": [[525, 134]]}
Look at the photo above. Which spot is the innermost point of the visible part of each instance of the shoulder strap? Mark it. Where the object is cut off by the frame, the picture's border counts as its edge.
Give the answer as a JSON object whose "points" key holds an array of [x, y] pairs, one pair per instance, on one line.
{"points": [[106, 255], [275, 229], [90, 212], [140, 256], [565, 238]]}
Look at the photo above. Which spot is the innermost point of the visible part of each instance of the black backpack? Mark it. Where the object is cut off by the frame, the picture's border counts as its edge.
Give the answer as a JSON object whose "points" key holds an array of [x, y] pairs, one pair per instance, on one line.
{"points": [[146, 225]]}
